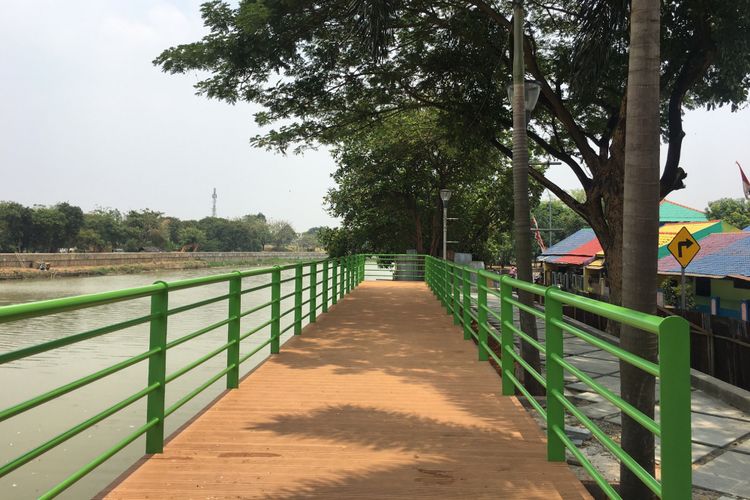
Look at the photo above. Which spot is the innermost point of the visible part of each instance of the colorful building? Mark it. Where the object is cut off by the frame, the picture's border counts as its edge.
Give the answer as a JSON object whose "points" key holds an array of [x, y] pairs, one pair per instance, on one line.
{"points": [[577, 263], [719, 274]]}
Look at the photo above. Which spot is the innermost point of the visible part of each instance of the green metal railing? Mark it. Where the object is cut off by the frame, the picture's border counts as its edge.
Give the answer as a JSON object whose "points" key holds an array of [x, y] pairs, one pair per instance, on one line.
{"points": [[328, 281], [452, 284]]}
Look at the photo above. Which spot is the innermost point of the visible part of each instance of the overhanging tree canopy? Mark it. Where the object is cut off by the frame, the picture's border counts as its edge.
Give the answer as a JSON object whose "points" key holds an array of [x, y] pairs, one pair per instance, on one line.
{"points": [[327, 69]]}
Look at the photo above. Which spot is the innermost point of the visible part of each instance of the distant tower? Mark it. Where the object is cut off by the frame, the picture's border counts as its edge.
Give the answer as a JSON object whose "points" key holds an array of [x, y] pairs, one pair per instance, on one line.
{"points": [[213, 209]]}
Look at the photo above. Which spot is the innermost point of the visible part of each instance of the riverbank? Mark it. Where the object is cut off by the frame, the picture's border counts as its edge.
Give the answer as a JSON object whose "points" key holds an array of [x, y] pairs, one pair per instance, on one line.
{"points": [[26, 273]]}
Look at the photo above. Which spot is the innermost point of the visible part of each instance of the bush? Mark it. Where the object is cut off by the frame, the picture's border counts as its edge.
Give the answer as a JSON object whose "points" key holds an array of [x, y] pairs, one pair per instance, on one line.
{"points": [[673, 294]]}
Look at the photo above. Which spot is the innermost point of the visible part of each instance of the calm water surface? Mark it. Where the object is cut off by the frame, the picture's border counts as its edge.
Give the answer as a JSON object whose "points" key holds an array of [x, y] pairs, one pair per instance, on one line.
{"points": [[27, 378]]}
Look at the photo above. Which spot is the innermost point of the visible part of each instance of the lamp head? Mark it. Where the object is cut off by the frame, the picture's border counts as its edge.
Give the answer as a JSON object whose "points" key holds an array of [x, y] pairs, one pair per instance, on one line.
{"points": [[532, 89], [445, 195]]}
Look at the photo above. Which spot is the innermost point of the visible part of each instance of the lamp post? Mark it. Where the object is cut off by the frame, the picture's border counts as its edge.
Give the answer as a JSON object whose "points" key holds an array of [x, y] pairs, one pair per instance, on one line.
{"points": [[445, 195]]}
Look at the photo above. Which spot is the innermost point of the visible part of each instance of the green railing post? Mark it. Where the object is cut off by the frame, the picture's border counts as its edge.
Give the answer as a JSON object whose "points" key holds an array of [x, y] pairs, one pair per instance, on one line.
{"points": [[335, 291], [233, 331], [427, 273], [482, 327], [348, 271], [298, 298], [313, 292], [447, 294], [325, 286], [456, 285], [157, 369], [361, 269], [553, 310], [342, 276], [466, 281], [674, 398], [352, 273], [275, 310], [506, 335]]}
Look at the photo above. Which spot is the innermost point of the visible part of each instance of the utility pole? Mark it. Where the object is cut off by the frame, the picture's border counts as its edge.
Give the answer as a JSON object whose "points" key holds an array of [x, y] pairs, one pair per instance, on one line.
{"points": [[213, 209]]}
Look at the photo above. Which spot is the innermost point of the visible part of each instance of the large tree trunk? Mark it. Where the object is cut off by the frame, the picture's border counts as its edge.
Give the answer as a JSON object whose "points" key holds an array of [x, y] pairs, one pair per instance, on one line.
{"points": [[522, 219], [640, 233]]}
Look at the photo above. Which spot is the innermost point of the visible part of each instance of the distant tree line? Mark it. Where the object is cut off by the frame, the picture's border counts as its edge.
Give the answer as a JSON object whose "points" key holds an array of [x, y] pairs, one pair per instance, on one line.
{"points": [[64, 226]]}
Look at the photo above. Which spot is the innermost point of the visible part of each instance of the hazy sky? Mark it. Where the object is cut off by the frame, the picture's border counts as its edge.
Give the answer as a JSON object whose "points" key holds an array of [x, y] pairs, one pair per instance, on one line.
{"points": [[86, 118]]}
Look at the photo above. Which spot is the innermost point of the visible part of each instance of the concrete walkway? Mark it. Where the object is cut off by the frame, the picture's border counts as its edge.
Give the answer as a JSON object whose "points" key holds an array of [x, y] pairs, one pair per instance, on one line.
{"points": [[381, 398]]}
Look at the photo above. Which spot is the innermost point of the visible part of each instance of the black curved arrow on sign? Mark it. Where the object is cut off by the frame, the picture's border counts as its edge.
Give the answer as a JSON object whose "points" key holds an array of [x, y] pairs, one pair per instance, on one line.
{"points": [[685, 244]]}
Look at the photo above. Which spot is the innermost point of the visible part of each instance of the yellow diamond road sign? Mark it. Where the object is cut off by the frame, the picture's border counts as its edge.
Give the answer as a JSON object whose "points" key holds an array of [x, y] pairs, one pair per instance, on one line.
{"points": [[684, 247]]}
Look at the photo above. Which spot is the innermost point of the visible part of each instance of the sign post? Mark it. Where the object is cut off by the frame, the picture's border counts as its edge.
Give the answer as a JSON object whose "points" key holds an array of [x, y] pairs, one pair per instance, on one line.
{"points": [[683, 248]]}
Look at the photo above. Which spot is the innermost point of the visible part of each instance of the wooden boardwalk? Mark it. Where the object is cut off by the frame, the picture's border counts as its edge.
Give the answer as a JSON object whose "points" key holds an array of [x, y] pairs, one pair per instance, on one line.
{"points": [[381, 398]]}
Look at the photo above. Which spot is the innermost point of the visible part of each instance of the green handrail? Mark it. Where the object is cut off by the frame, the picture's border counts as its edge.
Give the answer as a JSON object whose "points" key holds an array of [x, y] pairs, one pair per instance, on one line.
{"points": [[452, 284], [339, 277]]}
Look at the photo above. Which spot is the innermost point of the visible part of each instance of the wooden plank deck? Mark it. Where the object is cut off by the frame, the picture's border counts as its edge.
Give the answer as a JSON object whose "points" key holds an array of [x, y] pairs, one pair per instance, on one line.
{"points": [[381, 398]]}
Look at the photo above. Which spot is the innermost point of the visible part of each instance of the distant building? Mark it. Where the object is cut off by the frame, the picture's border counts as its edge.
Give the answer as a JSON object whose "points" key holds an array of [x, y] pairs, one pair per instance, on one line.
{"points": [[669, 211], [720, 274], [577, 263]]}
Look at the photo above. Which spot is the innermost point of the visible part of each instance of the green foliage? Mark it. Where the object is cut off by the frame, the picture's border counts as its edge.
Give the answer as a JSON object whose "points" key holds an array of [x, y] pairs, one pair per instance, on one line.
{"points": [[282, 234], [389, 177], [15, 220], [323, 71], [732, 211], [564, 220], [673, 294], [63, 226], [337, 241]]}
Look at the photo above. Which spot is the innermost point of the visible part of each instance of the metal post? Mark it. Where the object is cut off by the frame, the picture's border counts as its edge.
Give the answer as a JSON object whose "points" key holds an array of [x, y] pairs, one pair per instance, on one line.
{"points": [[682, 288], [298, 299], [325, 287], [335, 291], [674, 420], [157, 369], [482, 327], [467, 303], [233, 331], [456, 284], [342, 276], [554, 342], [313, 291], [506, 335], [445, 232], [446, 293], [275, 310]]}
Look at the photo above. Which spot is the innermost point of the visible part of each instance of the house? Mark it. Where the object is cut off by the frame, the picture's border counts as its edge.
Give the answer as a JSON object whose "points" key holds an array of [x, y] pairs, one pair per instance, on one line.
{"points": [[577, 263], [669, 211], [719, 274]]}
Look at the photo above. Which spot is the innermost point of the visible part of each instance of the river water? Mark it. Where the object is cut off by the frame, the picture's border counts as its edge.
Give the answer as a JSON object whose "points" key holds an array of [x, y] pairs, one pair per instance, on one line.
{"points": [[23, 379]]}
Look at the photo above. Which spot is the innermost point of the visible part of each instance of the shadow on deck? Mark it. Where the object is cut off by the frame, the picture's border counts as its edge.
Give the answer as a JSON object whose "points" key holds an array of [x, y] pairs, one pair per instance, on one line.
{"points": [[381, 398]]}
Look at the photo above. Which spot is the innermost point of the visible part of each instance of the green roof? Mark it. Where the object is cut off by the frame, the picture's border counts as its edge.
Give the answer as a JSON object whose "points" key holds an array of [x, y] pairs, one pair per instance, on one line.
{"points": [[670, 211]]}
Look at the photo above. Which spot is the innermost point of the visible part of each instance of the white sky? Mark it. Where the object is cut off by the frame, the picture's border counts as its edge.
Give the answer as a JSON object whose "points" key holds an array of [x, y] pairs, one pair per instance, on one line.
{"points": [[86, 118]]}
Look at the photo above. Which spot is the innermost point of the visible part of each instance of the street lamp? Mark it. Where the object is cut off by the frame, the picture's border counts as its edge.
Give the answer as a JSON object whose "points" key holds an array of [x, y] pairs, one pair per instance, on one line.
{"points": [[445, 195], [531, 88]]}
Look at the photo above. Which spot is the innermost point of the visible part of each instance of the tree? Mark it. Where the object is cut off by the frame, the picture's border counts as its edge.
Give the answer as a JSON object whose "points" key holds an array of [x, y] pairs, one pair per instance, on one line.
{"points": [[190, 237], [563, 220], [388, 181], [346, 64], [282, 234], [47, 229], [73, 223], [146, 228], [107, 223], [732, 211], [640, 236], [15, 220]]}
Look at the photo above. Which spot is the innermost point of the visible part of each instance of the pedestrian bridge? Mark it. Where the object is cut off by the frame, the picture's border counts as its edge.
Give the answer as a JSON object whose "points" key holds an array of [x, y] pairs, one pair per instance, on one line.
{"points": [[381, 395]]}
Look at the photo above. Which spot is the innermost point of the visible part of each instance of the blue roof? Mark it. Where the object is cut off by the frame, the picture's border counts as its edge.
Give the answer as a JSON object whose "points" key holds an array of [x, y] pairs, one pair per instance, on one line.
{"points": [[569, 244], [721, 254]]}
